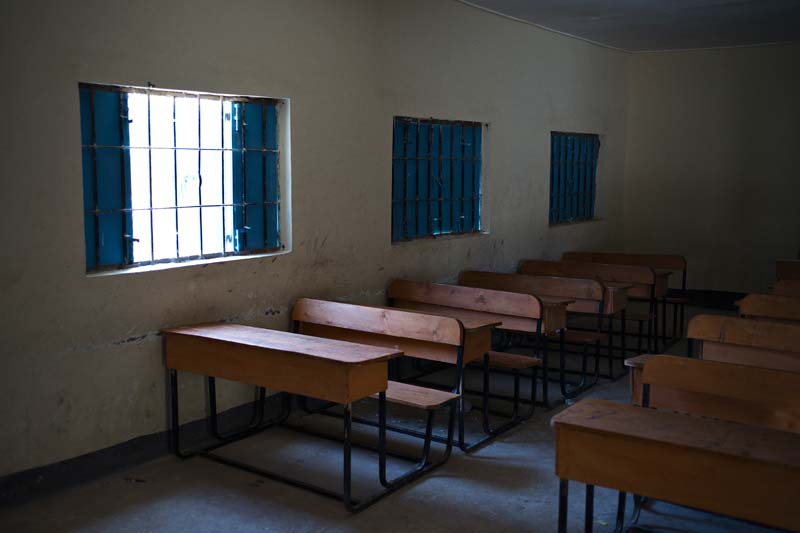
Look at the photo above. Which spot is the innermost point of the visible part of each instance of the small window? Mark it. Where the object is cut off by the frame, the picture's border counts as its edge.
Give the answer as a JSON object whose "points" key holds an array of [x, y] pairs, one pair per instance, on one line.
{"points": [[436, 178], [172, 176], [573, 172]]}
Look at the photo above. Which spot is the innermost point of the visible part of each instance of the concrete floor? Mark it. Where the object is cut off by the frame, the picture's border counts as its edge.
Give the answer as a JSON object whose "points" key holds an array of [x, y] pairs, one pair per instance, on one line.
{"points": [[507, 486]]}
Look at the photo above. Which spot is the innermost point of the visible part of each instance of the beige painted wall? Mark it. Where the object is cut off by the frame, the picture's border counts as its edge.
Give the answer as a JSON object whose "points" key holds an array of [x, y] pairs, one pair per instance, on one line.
{"points": [[712, 167], [81, 365]]}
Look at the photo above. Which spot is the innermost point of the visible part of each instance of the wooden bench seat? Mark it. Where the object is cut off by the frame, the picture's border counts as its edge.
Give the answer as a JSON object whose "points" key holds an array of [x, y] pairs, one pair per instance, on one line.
{"points": [[512, 361], [416, 396], [587, 337]]}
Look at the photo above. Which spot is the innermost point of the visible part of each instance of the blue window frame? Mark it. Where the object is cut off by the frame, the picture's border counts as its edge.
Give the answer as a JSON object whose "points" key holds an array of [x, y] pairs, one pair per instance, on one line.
{"points": [[171, 176], [436, 177], [573, 173]]}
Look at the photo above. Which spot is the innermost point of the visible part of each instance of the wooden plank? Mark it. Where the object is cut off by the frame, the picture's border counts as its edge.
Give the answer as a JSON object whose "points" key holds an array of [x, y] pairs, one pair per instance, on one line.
{"points": [[511, 323], [745, 332], [430, 350], [787, 269], [476, 344], [751, 356], [737, 393], [770, 306], [747, 472], [319, 377], [569, 288], [787, 287], [415, 396], [638, 275], [673, 263], [582, 295], [380, 320], [475, 299]]}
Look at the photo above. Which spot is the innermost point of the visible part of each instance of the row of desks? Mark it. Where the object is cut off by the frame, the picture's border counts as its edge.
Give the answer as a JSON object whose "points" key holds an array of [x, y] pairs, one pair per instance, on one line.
{"points": [[721, 434], [342, 365]]}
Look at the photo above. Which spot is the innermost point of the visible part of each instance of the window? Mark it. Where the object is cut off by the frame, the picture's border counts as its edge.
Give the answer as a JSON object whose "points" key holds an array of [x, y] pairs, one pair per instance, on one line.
{"points": [[436, 178], [573, 169], [172, 176]]}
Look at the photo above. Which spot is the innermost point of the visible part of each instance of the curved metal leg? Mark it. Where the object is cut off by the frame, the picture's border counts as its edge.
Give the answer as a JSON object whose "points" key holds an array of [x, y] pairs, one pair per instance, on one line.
{"points": [[256, 419]]}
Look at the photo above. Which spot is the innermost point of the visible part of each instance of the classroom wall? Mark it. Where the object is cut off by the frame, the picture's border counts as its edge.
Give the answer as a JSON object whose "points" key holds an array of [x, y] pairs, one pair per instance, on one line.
{"points": [[81, 365], [711, 170]]}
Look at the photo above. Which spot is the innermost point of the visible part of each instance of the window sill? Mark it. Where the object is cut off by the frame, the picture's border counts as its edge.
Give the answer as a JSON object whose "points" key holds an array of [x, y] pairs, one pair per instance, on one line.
{"points": [[575, 222], [442, 237], [182, 264]]}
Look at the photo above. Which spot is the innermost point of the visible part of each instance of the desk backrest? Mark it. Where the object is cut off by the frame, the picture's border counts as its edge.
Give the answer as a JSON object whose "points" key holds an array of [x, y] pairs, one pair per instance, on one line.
{"points": [[641, 275], [737, 393], [417, 334], [749, 342], [561, 287], [770, 306], [676, 263], [787, 269], [786, 287], [499, 302]]}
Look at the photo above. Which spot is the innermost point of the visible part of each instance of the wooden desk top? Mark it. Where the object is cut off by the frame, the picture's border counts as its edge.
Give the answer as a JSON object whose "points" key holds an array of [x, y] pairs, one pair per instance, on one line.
{"points": [[716, 436], [617, 285], [294, 343], [638, 361]]}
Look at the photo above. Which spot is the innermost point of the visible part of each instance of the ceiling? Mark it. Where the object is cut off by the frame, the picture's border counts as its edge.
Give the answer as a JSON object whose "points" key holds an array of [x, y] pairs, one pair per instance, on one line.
{"points": [[647, 25]]}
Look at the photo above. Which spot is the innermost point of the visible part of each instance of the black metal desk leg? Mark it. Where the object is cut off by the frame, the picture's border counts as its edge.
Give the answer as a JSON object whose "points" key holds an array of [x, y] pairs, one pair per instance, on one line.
{"points": [[620, 512], [545, 371], [624, 346], [611, 346], [382, 439], [563, 494], [588, 521], [347, 470], [175, 430]]}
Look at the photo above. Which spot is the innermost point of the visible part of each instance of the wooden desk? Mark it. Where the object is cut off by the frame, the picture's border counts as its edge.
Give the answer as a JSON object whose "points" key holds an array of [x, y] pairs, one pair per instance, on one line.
{"points": [[661, 263], [419, 335], [511, 311], [732, 469], [326, 369]]}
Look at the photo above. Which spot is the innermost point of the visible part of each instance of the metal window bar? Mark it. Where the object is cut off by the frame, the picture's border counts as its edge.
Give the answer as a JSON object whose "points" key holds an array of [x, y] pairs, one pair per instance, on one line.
{"points": [[127, 236], [175, 174], [409, 202], [95, 185], [199, 172], [150, 181]]}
